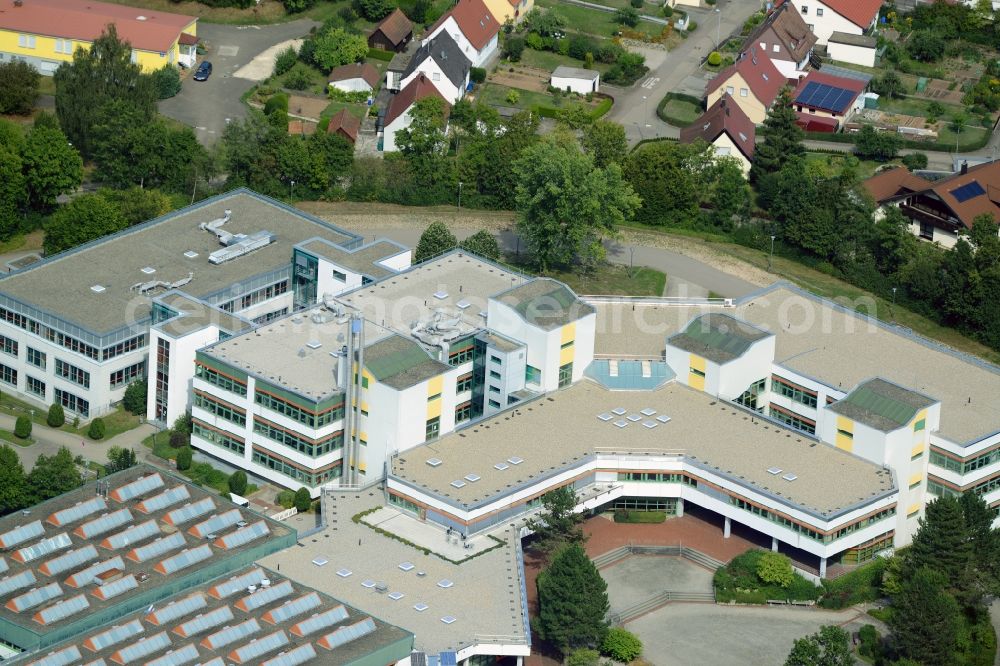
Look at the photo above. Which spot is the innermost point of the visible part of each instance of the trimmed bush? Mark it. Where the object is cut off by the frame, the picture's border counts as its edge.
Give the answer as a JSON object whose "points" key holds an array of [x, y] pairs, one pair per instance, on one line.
{"points": [[915, 161], [96, 429], [302, 499], [22, 427], [621, 645], [477, 74], [56, 416], [285, 60], [640, 516], [134, 400], [858, 586], [184, 458], [775, 568], [583, 657], [276, 103], [167, 81], [379, 54], [238, 482], [285, 499], [668, 11], [714, 58]]}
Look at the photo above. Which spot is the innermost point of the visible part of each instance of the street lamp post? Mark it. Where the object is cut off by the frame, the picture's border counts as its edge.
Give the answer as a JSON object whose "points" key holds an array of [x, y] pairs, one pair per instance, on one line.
{"points": [[460, 195], [892, 308], [718, 27], [770, 257], [291, 190], [631, 261]]}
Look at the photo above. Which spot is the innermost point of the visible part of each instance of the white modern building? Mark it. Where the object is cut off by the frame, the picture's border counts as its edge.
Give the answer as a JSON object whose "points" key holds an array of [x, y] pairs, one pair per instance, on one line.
{"points": [[825, 17], [575, 79]]}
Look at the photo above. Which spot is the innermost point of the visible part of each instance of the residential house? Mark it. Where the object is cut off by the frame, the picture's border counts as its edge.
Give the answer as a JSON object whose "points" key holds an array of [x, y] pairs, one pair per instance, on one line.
{"points": [[45, 33], [509, 10], [825, 17], [575, 79], [785, 38], [856, 49], [392, 33], [823, 101], [753, 82], [726, 127], [346, 124], [355, 77], [397, 116], [442, 62], [473, 28], [939, 211]]}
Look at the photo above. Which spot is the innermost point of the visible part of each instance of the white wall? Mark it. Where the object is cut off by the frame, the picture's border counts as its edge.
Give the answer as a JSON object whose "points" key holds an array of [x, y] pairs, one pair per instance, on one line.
{"points": [[356, 84], [826, 25], [726, 147], [476, 56], [582, 86], [737, 375], [858, 55], [430, 68]]}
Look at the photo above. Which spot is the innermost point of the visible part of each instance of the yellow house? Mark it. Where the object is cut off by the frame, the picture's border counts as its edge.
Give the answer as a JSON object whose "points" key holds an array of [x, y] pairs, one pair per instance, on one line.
{"points": [[514, 10], [45, 33], [753, 82]]}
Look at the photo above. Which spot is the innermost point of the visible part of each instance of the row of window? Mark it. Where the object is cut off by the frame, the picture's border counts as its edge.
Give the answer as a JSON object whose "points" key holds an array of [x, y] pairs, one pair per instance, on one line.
{"points": [[295, 472], [940, 490], [49, 334], [464, 383], [254, 297], [296, 413], [270, 316], [128, 375], [218, 438], [793, 391], [72, 403], [138, 342], [865, 553], [789, 419], [463, 412], [222, 411], [329, 443], [461, 356], [657, 477], [861, 524], [972, 465], [72, 373], [216, 378]]}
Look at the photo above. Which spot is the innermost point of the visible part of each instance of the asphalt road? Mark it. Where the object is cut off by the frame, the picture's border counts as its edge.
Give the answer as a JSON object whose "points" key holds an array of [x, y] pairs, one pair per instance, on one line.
{"points": [[208, 105]]}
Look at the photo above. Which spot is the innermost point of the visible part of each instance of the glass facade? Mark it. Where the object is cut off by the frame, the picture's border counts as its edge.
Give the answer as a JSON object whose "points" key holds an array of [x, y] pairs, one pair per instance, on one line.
{"points": [[790, 419], [223, 411], [298, 413], [162, 378], [217, 437], [293, 471], [305, 269], [128, 375], [971, 465], [793, 391], [72, 373], [275, 433], [216, 378], [72, 403]]}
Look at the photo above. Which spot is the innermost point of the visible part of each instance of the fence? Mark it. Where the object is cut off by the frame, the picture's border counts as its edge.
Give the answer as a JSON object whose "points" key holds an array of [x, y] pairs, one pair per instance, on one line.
{"points": [[674, 301], [699, 558], [287, 513]]}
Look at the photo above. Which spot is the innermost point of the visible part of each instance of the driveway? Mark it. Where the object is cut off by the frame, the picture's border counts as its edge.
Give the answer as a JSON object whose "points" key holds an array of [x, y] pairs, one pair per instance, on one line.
{"points": [[677, 71], [208, 105]]}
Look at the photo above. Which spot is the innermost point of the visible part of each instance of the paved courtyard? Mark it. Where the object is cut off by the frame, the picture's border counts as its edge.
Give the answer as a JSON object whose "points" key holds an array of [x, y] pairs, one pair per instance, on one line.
{"points": [[682, 634], [635, 579]]}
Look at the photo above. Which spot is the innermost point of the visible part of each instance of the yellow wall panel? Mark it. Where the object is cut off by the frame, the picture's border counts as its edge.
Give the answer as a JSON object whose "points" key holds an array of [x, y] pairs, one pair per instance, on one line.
{"points": [[844, 442], [568, 333], [913, 508], [566, 356], [696, 381], [917, 449], [435, 385], [916, 477]]}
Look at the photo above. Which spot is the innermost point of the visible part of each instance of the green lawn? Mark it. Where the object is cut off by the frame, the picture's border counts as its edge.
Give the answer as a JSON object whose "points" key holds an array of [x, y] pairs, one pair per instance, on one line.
{"points": [[830, 166], [682, 110], [201, 473], [970, 136], [614, 279], [357, 110], [8, 436], [493, 94], [594, 21], [548, 60], [915, 106]]}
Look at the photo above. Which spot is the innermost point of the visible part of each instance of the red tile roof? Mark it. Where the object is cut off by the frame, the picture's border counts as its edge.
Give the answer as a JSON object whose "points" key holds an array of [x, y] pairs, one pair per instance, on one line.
{"points": [[356, 70], [395, 26], [85, 21], [891, 183], [474, 20], [758, 71], [417, 89], [723, 116], [346, 123], [859, 12]]}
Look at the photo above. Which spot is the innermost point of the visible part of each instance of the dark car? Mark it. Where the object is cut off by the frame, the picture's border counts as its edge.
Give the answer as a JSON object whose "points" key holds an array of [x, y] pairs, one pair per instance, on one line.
{"points": [[204, 71]]}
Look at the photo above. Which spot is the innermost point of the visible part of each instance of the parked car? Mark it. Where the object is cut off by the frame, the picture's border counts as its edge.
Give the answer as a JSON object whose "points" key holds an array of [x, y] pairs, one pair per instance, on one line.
{"points": [[204, 71]]}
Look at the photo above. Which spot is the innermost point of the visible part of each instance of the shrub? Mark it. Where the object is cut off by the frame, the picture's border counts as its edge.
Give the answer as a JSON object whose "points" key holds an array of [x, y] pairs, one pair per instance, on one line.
{"points": [[856, 587], [622, 516], [513, 97], [18, 87], [581, 45], [302, 499], [166, 81], [96, 429], [56, 416], [609, 53], [22, 427], [134, 400], [714, 58], [513, 48], [184, 458], [179, 438], [298, 79], [869, 640], [238, 482], [636, 3], [347, 14], [285, 60], [668, 11], [583, 657], [621, 645], [285, 499], [775, 568], [692, 26], [477, 74], [534, 41], [915, 161], [627, 16], [277, 102]]}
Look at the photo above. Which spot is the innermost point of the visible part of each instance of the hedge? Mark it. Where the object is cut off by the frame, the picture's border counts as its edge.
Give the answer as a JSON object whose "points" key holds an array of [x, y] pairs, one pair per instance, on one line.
{"points": [[858, 586], [551, 112], [680, 97], [640, 516], [379, 54], [840, 137]]}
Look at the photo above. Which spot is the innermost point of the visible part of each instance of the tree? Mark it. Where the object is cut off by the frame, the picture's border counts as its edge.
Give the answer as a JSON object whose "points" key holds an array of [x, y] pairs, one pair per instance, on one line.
{"points": [[513, 48], [572, 600], [605, 142], [51, 167], [18, 87], [424, 141], [621, 645], [119, 458], [915, 161], [984, 539], [13, 483], [665, 177], [782, 139], [134, 400], [97, 429], [731, 195], [285, 60], [22, 427], [775, 568], [184, 457], [545, 22], [302, 499], [627, 16], [374, 10], [84, 219], [889, 85], [874, 144], [565, 205], [56, 417], [583, 657], [338, 47], [166, 82], [830, 646], [484, 244], [52, 476], [942, 542], [12, 190], [557, 523], [137, 204], [436, 239], [925, 45], [238, 482], [925, 619], [295, 6], [98, 75]]}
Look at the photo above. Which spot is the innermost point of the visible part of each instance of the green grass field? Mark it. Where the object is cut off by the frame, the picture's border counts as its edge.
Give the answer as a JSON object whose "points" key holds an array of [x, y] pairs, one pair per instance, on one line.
{"points": [[681, 110], [614, 279], [548, 60], [493, 94], [594, 21]]}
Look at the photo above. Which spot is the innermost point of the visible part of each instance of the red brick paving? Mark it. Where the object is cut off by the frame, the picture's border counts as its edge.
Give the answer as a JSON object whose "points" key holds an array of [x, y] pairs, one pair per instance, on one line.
{"points": [[603, 535]]}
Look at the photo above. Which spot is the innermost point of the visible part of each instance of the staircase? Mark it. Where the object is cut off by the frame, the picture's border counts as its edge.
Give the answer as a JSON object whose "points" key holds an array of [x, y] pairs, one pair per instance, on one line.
{"points": [[658, 601]]}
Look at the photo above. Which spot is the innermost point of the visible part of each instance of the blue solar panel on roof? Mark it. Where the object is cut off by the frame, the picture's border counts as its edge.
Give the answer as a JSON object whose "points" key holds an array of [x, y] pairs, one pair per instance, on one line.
{"points": [[448, 659], [43, 548], [968, 191], [132, 535], [115, 635], [184, 559], [204, 622], [824, 96], [70, 560], [231, 634], [78, 511], [62, 610], [85, 576], [293, 608], [105, 523], [177, 609], [141, 648], [237, 583], [37, 596], [265, 596], [189, 511], [320, 621], [137, 487], [347, 634]]}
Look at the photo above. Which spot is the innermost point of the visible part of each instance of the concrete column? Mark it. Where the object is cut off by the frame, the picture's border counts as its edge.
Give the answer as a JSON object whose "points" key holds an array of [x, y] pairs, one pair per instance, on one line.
{"points": [[727, 528], [822, 567], [774, 544], [680, 507]]}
